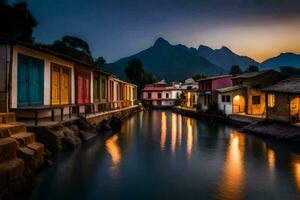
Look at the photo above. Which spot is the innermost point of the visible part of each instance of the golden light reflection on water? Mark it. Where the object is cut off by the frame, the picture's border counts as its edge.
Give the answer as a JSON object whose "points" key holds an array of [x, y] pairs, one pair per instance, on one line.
{"points": [[113, 149], [163, 131], [189, 140], [179, 129], [296, 170], [174, 133], [232, 183], [271, 159]]}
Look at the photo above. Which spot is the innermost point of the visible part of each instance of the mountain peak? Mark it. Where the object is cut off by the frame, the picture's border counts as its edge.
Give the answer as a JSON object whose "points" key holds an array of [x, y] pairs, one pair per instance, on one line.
{"points": [[224, 48], [203, 47], [161, 42]]}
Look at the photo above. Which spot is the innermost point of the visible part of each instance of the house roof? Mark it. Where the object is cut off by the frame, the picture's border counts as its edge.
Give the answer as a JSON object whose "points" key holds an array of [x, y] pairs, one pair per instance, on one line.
{"points": [[231, 88], [288, 86], [252, 74], [214, 77]]}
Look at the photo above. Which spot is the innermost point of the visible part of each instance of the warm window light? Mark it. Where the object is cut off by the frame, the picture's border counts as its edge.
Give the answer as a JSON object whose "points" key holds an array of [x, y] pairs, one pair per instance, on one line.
{"points": [[271, 100]]}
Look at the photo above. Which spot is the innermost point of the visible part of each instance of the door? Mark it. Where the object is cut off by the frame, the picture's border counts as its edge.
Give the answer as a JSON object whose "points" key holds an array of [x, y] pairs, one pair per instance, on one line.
{"points": [[79, 88], [30, 81], [55, 88], [65, 86], [83, 87]]}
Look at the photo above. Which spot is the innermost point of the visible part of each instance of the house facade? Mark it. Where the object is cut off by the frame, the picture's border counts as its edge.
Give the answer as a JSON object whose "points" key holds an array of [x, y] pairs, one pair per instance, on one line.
{"points": [[208, 89], [35, 78], [283, 101], [161, 94], [245, 96]]}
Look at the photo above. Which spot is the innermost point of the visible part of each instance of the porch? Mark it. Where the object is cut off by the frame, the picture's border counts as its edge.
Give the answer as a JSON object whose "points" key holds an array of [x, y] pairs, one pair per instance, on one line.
{"points": [[50, 115]]}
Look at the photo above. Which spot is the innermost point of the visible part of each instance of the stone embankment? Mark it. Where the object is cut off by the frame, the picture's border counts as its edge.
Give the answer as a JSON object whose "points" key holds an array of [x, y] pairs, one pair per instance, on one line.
{"points": [[21, 156]]}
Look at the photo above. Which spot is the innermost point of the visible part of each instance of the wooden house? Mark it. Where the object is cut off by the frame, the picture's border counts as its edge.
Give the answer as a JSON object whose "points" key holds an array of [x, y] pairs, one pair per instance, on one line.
{"points": [[283, 101], [47, 83], [245, 96]]}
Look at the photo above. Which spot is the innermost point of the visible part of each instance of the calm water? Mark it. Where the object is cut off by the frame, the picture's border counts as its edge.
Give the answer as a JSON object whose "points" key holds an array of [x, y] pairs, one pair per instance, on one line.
{"points": [[162, 155]]}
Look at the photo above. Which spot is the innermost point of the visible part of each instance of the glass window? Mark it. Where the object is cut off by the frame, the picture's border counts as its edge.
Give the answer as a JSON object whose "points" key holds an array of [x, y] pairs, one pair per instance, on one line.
{"points": [[149, 95], [223, 98], [159, 95], [255, 100], [167, 95], [271, 100], [228, 99]]}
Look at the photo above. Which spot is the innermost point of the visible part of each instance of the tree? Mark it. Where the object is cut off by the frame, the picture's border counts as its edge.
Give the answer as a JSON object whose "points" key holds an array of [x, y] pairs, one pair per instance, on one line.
{"points": [[135, 71], [199, 77], [100, 62], [16, 21], [288, 71], [74, 47], [235, 70], [253, 68]]}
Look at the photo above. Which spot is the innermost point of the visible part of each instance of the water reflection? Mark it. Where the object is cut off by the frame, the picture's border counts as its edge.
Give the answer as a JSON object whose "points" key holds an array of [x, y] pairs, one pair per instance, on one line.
{"points": [[163, 131], [179, 129], [296, 170], [271, 159], [232, 183], [189, 143], [174, 133], [113, 149]]}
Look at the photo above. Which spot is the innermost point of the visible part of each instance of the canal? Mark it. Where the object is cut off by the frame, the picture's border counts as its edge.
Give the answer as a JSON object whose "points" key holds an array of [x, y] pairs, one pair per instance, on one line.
{"points": [[163, 155]]}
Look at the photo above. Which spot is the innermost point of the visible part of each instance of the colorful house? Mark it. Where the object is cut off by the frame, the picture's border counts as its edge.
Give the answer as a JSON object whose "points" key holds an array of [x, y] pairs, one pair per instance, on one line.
{"points": [[161, 94], [48, 83], [283, 101], [245, 96], [208, 89], [190, 98]]}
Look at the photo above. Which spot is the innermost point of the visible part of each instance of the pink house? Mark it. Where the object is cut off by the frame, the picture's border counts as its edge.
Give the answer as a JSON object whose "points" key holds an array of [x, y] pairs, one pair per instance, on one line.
{"points": [[160, 94], [208, 89]]}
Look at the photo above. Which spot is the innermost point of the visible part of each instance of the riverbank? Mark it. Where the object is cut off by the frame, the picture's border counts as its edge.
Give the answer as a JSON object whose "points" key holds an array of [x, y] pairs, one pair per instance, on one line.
{"points": [[259, 127], [68, 135]]}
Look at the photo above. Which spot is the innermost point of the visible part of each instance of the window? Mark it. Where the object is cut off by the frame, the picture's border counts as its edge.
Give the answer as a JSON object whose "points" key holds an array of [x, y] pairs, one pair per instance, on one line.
{"points": [[103, 88], [226, 98], [159, 95], [167, 95], [271, 100], [255, 100], [149, 95]]}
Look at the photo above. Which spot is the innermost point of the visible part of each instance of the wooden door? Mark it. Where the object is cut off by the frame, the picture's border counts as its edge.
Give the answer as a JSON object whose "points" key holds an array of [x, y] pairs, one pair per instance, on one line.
{"points": [[79, 88], [86, 88], [65, 86], [55, 85], [30, 81]]}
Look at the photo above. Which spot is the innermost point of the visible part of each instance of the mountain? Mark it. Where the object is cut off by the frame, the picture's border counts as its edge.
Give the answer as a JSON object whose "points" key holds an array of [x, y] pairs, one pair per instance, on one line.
{"points": [[225, 58], [172, 62], [284, 59]]}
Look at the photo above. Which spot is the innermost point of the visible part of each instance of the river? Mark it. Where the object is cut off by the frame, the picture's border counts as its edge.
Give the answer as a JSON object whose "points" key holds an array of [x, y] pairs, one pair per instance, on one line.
{"points": [[163, 155]]}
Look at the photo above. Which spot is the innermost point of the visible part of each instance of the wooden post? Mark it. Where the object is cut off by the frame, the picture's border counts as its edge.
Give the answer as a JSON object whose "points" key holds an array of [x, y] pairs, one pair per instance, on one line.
{"points": [[52, 115], [36, 117], [62, 114]]}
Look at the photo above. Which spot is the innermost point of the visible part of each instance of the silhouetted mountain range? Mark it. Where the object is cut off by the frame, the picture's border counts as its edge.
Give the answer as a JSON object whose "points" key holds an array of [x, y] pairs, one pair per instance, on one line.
{"points": [[284, 59], [177, 62]]}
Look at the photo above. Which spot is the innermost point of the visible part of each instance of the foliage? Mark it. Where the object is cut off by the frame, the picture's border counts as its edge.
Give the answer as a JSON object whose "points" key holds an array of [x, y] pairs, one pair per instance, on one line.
{"points": [[289, 71], [253, 68], [100, 62], [135, 73], [17, 22], [74, 47], [235, 70], [199, 77]]}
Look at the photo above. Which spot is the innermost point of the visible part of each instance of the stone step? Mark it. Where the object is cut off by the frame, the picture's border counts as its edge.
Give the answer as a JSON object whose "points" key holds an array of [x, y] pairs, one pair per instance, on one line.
{"points": [[32, 155], [4, 133], [6, 118], [24, 138], [11, 170], [8, 147], [14, 128]]}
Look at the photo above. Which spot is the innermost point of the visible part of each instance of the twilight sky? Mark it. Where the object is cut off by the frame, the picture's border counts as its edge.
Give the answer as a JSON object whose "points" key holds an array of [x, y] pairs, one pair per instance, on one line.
{"points": [[118, 28]]}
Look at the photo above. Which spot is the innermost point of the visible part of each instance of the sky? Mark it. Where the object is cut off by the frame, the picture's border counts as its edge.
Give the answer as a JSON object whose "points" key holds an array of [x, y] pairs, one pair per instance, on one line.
{"points": [[115, 29]]}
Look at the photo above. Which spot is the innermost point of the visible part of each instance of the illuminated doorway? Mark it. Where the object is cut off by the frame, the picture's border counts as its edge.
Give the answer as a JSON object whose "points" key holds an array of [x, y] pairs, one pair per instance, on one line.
{"points": [[238, 104], [295, 112]]}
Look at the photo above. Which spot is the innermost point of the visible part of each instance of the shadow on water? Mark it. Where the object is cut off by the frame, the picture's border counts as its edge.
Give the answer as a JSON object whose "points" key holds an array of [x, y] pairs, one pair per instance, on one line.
{"points": [[163, 155]]}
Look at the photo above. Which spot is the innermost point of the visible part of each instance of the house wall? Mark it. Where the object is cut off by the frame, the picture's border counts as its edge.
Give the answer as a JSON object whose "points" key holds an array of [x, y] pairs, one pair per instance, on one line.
{"points": [[228, 107], [255, 109], [103, 99], [48, 59], [280, 112], [4, 69]]}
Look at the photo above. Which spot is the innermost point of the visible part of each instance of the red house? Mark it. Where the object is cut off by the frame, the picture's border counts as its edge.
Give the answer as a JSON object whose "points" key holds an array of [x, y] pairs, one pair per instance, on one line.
{"points": [[208, 89]]}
